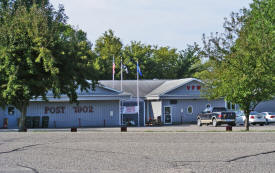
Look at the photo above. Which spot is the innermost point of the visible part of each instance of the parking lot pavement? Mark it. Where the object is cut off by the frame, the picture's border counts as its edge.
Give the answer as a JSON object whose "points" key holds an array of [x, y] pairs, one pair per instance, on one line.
{"points": [[141, 150]]}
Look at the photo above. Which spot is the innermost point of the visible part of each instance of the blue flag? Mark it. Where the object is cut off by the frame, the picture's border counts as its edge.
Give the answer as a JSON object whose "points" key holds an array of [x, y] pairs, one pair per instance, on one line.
{"points": [[138, 70]]}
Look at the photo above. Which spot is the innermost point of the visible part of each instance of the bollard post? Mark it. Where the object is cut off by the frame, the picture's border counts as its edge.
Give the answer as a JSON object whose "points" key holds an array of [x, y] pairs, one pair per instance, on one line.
{"points": [[228, 128], [23, 130], [5, 123], [123, 129], [79, 122], [73, 129]]}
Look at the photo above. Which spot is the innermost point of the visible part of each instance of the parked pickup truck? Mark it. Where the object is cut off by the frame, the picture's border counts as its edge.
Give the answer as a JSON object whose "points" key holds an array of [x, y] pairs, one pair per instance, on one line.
{"points": [[216, 116]]}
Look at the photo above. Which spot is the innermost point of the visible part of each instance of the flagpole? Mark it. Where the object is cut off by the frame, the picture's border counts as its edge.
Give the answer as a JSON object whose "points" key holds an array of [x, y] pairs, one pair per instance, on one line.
{"points": [[113, 71], [137, 92], [121, 74]]}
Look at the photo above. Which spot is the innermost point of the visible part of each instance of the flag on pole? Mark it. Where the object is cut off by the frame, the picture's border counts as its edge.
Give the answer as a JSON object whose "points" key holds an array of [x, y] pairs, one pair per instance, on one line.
{"points": [[114, 66], [125, 68], [138, 70], [122, 67], [138, 73]]}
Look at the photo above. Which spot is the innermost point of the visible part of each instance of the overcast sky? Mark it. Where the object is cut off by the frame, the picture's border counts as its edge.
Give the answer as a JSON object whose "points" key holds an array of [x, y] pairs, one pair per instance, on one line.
{"points": [[172, 23]]}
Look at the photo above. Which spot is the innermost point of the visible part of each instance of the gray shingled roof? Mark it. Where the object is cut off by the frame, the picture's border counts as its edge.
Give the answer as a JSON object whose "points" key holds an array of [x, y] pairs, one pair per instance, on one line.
{"points": [[147, 87], [169, 86], [130, 86]]}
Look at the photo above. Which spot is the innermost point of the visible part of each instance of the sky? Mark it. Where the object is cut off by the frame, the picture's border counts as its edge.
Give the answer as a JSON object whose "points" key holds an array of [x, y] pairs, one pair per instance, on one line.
{"points": [[173, 23]]}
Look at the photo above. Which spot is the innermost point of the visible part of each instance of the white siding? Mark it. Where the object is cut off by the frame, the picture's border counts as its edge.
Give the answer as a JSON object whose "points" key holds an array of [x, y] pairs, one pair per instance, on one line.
{"points": [[156, 109]]}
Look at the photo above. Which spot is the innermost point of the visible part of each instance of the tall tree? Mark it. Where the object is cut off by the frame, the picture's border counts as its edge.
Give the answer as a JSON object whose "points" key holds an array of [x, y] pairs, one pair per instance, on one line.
{"points": [[242, 60], [134, 52], [107, 47], [189, 62], [163, 63], [39, 53]]}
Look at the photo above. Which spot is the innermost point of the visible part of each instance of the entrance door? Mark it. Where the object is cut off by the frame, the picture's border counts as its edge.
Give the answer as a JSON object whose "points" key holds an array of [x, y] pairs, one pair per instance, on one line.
{"points": [[167, 115]]}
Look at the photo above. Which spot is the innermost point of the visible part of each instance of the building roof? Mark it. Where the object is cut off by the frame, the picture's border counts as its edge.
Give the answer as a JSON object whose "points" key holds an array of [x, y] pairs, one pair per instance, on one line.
{"points": [[147, 87], [130, 86], [100, 92], [169, 86]]}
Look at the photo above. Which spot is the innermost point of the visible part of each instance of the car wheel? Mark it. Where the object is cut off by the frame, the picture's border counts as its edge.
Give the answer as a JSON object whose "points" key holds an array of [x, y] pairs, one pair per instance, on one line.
{"points": [[261, 124], [214, 122], [199, 122]]}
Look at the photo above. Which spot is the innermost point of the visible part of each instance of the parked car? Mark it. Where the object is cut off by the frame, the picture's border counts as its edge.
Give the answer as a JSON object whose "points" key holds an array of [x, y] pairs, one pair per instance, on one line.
{"points": [[256, 118], [239, 118], [270, 117], [216, 116]]}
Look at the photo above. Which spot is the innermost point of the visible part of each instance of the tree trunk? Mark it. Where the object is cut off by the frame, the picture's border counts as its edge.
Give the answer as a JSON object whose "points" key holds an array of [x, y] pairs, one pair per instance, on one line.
{"points": [[22, 120], [247, 120]]}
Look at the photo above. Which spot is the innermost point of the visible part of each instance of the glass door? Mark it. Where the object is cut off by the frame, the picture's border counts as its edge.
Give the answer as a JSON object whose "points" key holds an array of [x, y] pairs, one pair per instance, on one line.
{"points": [[167, 115]]}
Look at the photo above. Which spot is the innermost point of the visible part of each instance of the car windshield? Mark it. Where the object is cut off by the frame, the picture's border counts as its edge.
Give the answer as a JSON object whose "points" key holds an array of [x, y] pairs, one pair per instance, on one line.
{"points": [[217, 109]]}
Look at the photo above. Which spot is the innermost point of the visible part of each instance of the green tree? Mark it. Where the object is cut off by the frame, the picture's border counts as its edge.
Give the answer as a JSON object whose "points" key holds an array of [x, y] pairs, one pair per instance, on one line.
{"points": [[106, 48], [134, 52], [189, 62], [155, 62], [163, 63], [242, 60], [39, 53]]}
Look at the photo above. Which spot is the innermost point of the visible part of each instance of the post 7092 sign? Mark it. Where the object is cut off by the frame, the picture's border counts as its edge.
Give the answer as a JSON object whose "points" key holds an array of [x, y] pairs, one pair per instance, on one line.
{"points": [[85, 109], [61, 109]]}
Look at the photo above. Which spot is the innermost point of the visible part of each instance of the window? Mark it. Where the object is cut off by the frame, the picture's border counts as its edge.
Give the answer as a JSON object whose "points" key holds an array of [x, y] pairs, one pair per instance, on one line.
{"points": [[11, 110], [167, 115], [208, 108], [190, 110], [230, 106], [233, 106], [173, 102]]}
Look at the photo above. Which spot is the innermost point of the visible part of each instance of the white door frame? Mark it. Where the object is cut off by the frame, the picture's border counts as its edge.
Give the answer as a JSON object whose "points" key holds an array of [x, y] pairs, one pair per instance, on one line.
{"points": [[165, 115]]}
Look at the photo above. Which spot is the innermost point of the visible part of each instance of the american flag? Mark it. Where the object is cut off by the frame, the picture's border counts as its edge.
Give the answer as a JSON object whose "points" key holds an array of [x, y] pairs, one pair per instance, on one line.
{"points": [[114, 66]]}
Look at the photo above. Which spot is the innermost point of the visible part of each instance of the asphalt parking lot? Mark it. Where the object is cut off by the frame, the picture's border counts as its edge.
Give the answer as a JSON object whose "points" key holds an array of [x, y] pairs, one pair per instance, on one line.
{"points": [[186, 148]]}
